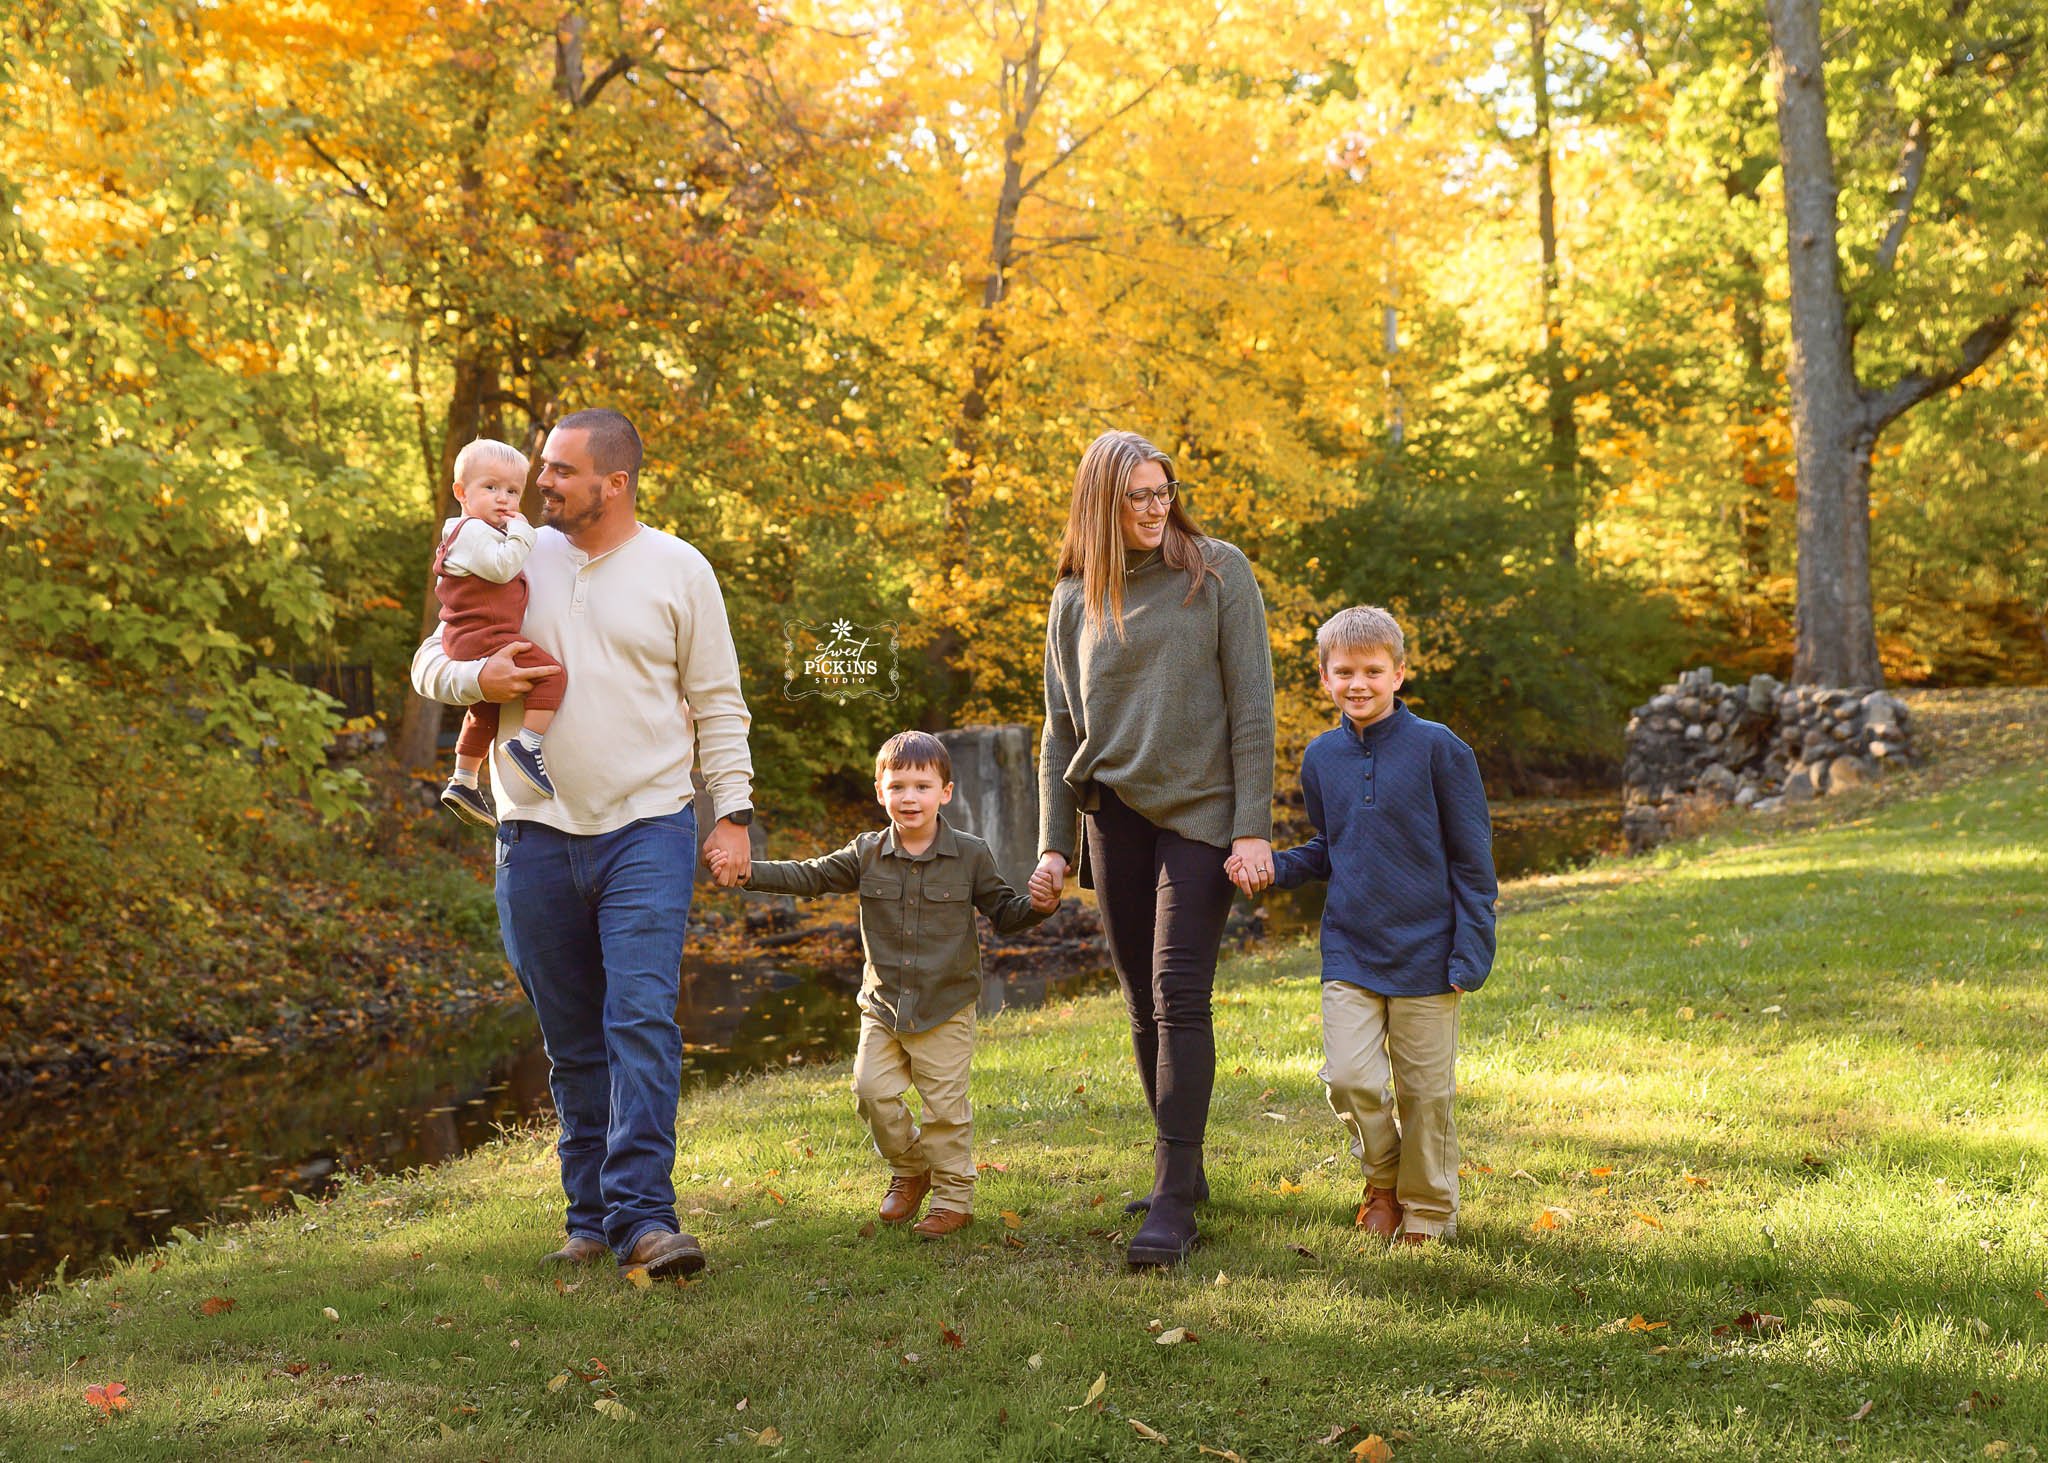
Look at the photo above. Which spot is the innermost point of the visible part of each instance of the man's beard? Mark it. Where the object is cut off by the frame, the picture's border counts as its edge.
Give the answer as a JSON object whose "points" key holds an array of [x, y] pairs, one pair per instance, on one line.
{"points": [[556, 514]]}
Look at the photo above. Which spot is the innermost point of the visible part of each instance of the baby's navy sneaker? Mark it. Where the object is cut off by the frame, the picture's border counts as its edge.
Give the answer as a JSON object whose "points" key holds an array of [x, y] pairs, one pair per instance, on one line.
{"points": [[467, 801], [529, 764]]}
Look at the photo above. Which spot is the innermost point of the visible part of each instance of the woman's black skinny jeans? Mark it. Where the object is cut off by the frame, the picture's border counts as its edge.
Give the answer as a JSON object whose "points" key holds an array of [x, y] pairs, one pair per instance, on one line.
{"points": [[1163, 900]]}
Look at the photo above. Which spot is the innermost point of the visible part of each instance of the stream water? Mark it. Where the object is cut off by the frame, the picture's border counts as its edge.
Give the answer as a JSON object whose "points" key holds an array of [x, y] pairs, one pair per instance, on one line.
{"points": [[111, 1168]]}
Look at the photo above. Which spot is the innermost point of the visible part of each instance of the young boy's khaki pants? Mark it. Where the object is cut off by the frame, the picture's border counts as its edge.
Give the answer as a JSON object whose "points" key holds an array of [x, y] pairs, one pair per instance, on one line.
{"points": [[1391, 1066], [935, 1062]]}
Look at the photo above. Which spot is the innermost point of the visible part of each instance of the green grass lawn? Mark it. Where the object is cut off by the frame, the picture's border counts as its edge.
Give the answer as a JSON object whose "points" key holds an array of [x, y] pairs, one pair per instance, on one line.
{"points": [[1757, 1166]]}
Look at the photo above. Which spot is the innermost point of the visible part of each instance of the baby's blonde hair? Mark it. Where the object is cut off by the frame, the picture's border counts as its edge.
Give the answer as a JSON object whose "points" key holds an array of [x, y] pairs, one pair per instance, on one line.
{"points": [[488, 452]]}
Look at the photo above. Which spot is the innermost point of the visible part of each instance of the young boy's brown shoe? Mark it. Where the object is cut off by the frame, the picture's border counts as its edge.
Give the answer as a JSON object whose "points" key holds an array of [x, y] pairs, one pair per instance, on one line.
{"points": [[1380, 1214], [906, 1194], [940, 1223]]}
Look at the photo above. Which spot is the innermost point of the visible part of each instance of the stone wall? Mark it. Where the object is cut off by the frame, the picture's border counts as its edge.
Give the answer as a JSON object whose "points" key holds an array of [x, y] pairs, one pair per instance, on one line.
{"points": [[1697, 747]]}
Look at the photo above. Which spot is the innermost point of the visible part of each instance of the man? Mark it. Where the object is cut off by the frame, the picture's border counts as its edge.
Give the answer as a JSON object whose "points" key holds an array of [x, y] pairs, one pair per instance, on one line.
{"points": [[594, 883]]}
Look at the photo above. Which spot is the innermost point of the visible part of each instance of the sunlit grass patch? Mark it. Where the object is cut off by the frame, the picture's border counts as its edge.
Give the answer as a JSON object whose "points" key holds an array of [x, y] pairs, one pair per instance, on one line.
{"points": [[1754, 1167]]}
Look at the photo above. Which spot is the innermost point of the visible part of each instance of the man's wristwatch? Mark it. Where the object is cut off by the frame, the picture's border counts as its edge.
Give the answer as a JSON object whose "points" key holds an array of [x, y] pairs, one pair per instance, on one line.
{"points": [[738, 817]]}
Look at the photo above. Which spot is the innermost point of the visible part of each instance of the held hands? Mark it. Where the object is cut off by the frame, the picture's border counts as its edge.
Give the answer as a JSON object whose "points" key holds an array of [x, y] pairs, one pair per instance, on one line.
{"points": [[721, 866], [1046, 883], [1250, 865], [729, 854], [502, 678]]}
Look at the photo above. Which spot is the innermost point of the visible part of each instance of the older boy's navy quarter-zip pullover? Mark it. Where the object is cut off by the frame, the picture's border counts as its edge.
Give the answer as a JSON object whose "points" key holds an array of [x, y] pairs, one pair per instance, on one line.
{"points": [[1405, 840]]}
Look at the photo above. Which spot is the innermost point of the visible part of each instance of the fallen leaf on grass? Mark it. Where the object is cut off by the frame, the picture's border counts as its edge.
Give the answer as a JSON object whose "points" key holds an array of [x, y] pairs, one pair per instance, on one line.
{"points": [[558, 1381], [1552, 1218], [952, 1338], [640, 1279], [1762, 1323], [1305, 1252], [1372, 1449], [1094, 1392], [217, 1305], [867, 1231], [1696, 1181], [1598, 1173], [1862, 1412], [768, 1437], [761, 1224], [1224, 1453], [1173, 1337], [1650, 1219], [1150, 1435], [1525, 1176], [1997, 1449], [1637, 1323], [1012, 1219], [1980, 1329], [110, 1397], [1335, 1433], [616, 1410], [1035, 1360], [1289, 1186], [330, 1312]]}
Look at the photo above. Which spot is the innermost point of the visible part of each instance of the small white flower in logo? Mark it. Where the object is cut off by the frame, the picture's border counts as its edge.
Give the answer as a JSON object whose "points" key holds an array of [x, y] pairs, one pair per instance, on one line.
{"points": [[842, 628]]}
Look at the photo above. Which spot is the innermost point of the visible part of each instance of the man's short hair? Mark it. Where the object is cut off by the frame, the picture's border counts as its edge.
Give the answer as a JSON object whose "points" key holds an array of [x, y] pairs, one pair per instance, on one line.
{"points": [[488, 452], [914, 749], [1362, 627], [614, 441]]}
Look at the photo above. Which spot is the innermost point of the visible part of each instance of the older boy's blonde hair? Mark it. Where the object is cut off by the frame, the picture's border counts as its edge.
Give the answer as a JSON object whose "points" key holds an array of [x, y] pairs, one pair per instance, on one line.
{"points": [[1362, 627], [487, 452]]}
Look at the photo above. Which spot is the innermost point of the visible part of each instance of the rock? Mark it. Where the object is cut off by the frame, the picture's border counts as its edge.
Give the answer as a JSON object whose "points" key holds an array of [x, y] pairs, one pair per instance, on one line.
{"points": [[1880, 750], [1763, 693], [1845, 773], [1799, 788], [995, 793], [1663, 702], [1690, 707], [1839, 732], [1642, 828], [1716, 731], [1767, 805], [1880, 709], [1745, 797], [1719, 781], [1694, 732]]}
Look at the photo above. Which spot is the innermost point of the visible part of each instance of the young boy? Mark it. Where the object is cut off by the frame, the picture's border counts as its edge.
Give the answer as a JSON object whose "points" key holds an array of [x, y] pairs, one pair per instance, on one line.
{"points": [[920, 882], [480, 580], [1404, 838]]}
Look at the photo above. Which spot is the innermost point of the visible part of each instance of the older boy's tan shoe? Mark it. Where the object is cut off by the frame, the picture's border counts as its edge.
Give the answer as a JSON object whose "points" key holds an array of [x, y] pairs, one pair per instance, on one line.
{"points": [[663, 1252], [1380, 1214], [940, 1223], [905, 1196]]}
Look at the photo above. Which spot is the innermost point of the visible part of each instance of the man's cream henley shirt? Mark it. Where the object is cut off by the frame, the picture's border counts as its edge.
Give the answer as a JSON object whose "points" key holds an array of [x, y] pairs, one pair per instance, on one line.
{"points": [[654, 685]]}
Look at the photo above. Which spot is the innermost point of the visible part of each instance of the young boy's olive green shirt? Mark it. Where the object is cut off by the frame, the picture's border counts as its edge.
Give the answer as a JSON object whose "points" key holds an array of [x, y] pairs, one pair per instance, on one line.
{"points": [[916, 917]]}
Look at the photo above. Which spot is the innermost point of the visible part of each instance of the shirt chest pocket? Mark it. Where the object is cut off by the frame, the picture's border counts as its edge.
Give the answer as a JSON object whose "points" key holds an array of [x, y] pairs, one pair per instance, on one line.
{"points": [[949, 907], [881, 906]]}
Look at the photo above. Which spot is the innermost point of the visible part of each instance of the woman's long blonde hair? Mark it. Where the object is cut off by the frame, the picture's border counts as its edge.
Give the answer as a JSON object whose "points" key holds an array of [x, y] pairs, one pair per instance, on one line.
{"points": [[1093, 547]]}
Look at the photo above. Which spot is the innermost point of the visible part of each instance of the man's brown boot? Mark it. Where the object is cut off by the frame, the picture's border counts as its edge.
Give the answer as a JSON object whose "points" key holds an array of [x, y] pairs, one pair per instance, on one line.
{"points": [[580, 1250], [940, 1223], [905, 1197], [1379, 1214], [663, 1252]]}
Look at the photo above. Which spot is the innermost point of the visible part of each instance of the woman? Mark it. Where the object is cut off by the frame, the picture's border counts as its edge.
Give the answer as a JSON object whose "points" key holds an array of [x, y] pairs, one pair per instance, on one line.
{"points": [[1159, 729]]}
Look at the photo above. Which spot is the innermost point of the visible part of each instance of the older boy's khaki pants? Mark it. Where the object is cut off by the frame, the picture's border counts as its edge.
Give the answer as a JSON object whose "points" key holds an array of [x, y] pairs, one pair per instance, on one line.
{"points": [[935, 1062], [1390, 1063]]}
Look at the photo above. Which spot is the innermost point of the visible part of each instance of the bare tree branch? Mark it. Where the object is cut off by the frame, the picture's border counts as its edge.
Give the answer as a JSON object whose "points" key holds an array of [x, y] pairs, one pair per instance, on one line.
{"points": [[1912, 168], [1885, 406], [356, 187]]}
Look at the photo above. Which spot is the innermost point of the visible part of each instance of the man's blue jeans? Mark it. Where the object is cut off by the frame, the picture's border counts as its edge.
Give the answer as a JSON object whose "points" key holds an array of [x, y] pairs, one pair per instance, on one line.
{"points": [[593, 925]]}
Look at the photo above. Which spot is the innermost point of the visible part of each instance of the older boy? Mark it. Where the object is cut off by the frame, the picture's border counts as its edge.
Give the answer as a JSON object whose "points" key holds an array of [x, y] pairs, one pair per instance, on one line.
{"points": [[920, 882], [1404, 838]]}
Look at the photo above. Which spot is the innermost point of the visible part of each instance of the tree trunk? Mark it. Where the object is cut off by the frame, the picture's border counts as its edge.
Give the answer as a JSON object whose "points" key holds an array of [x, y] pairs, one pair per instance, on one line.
{"points": [[1836, 641], [1561, 457]]}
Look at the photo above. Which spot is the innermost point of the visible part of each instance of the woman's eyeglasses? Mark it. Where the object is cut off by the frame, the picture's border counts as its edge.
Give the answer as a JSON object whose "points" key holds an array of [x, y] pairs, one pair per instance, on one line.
{"points": [[1162, 495]]}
